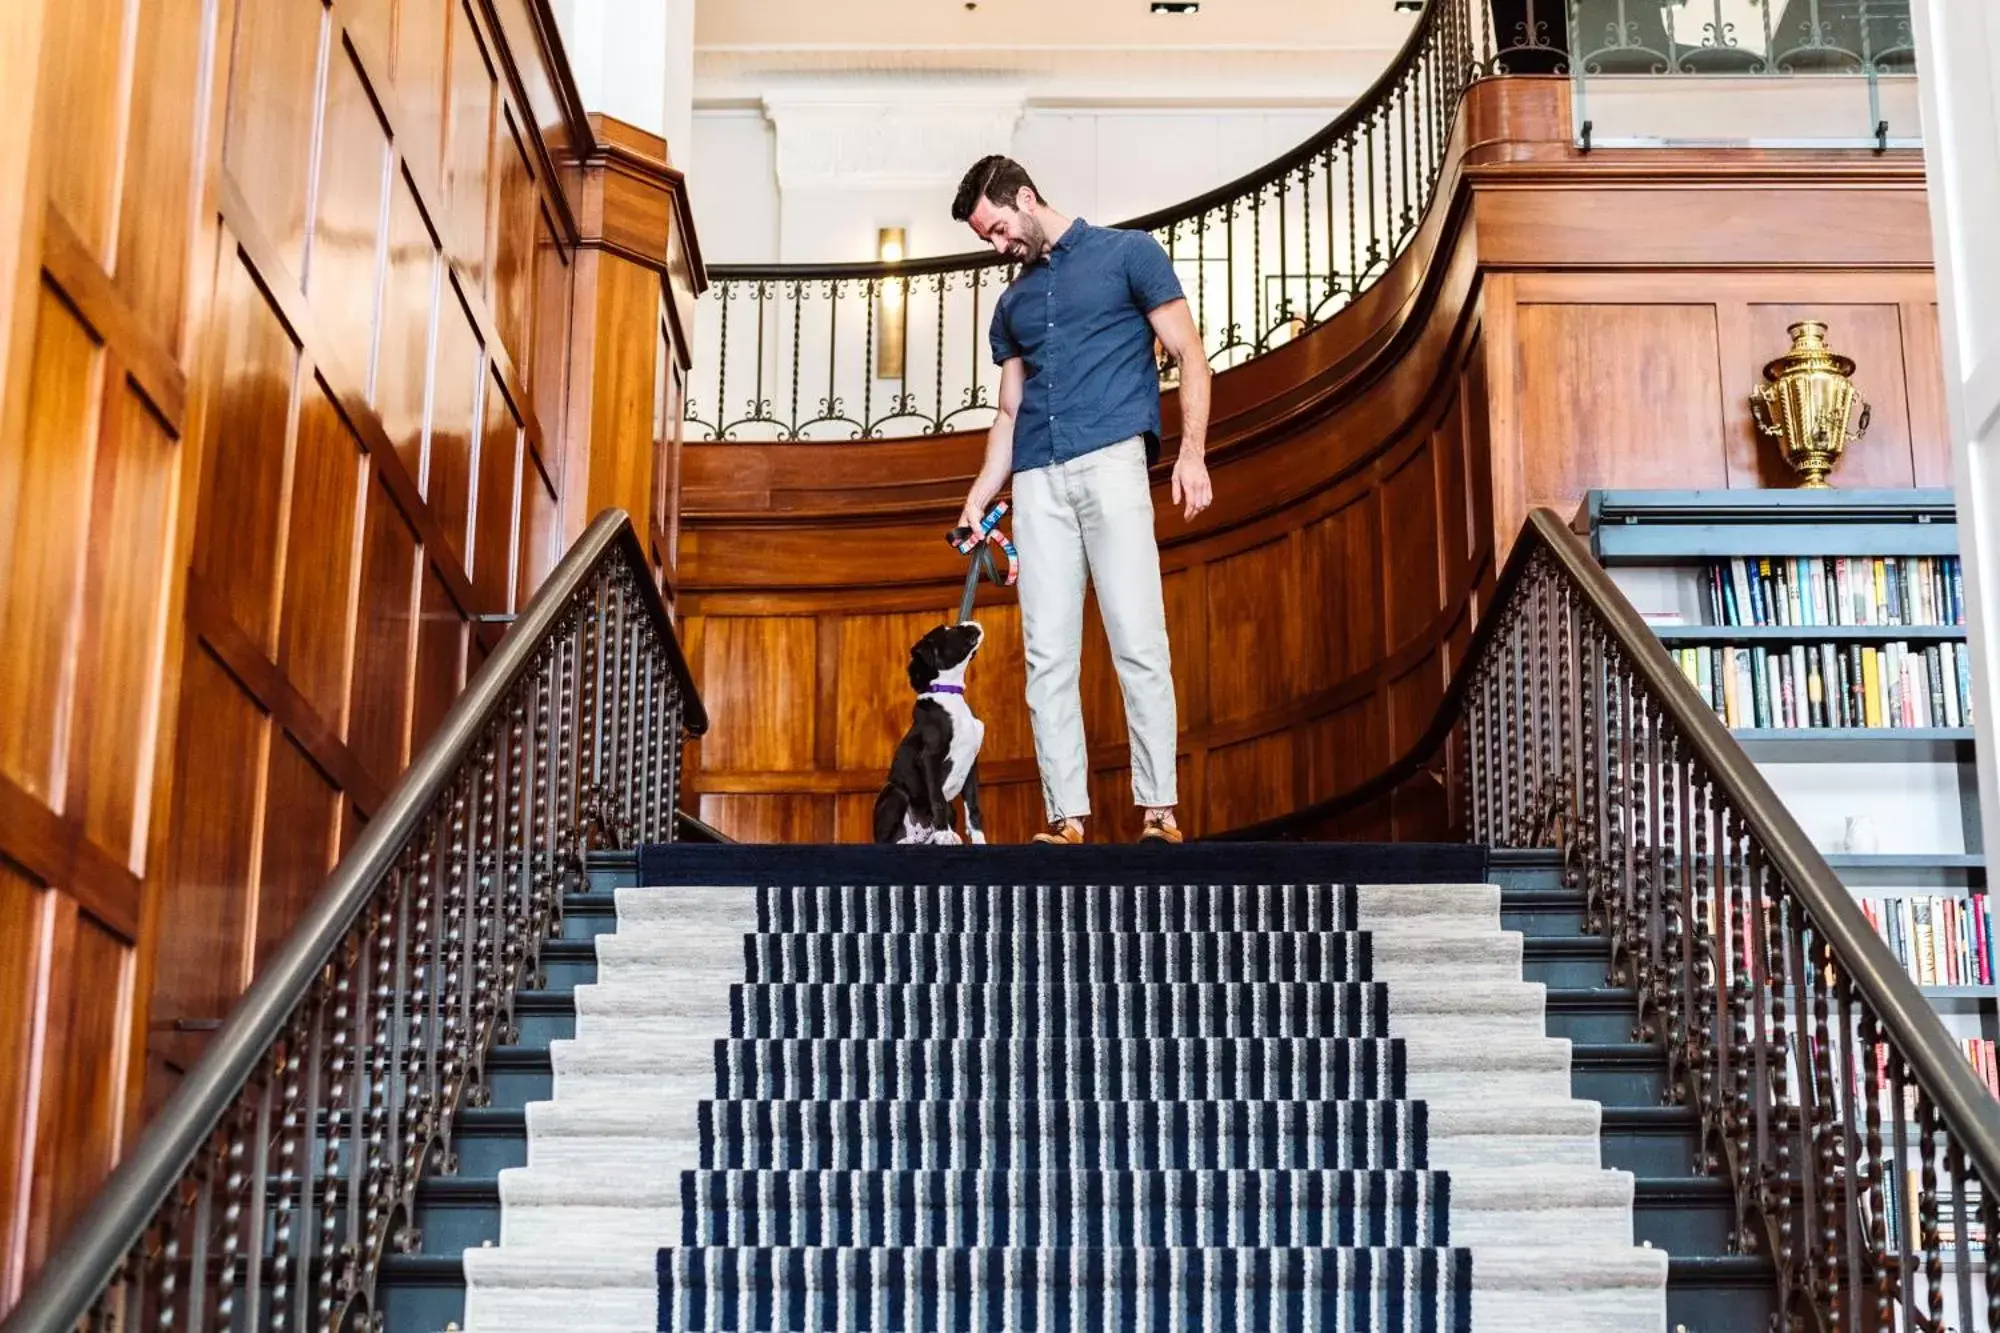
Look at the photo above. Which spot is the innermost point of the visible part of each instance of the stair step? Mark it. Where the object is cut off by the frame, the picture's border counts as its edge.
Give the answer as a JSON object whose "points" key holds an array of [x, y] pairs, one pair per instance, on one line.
{"points": [[568, 963], [637, 1003], [1543, 912], [1686, 1215], [1627, 1073], [491, 1139], [544, 1016], [1651, 1140], [1591, 1014], [1718, 1292], [1567, 961], [589, 914], [1602, 1290]]}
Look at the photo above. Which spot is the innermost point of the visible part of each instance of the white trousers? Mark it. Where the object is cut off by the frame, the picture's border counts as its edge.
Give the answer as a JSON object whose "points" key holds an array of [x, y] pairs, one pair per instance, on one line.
{"points": [[1093, 516]]}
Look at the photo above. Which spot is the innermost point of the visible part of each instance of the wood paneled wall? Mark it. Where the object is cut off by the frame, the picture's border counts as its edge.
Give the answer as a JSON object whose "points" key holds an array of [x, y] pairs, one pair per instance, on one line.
{"points": [[284, 437], [1562, 321]]}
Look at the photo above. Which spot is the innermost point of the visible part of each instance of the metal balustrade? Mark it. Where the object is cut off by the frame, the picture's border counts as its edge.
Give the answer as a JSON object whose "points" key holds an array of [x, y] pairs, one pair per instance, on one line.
{"points": [[269, 1189]]}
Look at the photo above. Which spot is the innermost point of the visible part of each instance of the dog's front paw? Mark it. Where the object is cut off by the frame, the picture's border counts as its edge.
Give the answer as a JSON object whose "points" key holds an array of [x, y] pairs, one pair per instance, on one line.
{"points": [[978, 839], [945, 837]]}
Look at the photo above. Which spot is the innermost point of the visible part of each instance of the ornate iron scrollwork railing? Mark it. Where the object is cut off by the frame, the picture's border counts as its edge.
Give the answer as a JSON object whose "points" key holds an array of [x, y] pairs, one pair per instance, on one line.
{"points": [[797, 352], [1862, 1149], [268, 1190], [828, 352]]}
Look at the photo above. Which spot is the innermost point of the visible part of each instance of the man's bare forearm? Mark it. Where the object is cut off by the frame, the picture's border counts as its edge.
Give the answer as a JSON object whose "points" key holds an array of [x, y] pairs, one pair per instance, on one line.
{"points": [[1194, 374], [999, 464]]}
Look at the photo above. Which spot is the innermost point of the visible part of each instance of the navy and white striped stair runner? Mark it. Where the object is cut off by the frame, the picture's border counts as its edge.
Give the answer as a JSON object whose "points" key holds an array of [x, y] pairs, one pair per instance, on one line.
{"points": [[1079, 1108]]}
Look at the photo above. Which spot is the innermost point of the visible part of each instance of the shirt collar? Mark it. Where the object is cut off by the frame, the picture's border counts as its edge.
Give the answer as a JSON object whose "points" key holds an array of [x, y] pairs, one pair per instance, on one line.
{"points": [[1071, 235]]}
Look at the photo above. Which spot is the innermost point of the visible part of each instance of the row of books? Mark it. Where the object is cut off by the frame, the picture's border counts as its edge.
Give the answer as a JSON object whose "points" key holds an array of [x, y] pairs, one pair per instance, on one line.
{"points": [[1836, 590], [1979, 1052], [1939, 940], [1898, 1204], [1833, 685]]}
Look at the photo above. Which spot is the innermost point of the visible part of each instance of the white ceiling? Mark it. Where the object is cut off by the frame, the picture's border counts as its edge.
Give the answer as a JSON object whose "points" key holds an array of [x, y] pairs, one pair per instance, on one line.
{"points": [[1289, 50], [1120, 24]]}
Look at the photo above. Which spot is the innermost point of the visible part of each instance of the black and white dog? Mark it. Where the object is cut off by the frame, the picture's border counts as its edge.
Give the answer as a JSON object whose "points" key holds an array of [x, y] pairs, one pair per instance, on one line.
{"points": [[938, 758]]}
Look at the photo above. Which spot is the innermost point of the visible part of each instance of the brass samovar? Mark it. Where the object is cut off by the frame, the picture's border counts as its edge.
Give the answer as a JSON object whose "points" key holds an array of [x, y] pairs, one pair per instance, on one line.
{"points": [[1807, 403]]}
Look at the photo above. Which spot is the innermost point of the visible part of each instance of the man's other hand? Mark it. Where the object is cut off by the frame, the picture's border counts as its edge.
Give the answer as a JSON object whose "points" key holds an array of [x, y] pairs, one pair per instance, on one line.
{"points": [[1191, 489]]}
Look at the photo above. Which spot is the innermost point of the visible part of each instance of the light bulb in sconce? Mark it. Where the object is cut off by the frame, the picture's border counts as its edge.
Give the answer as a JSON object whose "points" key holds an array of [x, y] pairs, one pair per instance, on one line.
{"points": [[891, 247]]}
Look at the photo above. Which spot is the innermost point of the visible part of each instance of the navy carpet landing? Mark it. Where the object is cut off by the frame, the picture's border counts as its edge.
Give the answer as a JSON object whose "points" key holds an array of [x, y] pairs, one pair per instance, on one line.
{"points": [[1094, 863]]}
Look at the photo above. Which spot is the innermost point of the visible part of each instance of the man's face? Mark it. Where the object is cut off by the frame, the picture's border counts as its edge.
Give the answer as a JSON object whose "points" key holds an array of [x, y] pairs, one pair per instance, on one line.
{"points": [[1012, 231]]}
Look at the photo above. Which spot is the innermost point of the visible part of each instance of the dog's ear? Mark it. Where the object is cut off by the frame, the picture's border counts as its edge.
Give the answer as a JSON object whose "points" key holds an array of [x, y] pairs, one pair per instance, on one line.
{"points": [[924, 662]]}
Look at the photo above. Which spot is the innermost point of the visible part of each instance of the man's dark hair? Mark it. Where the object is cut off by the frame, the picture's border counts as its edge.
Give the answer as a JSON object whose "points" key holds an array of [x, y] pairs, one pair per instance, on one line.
{"points": [[996, 179]]}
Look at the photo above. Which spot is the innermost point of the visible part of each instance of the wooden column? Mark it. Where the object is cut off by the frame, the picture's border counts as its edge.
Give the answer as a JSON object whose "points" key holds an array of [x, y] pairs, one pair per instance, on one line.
{"points": [[638, 273]]}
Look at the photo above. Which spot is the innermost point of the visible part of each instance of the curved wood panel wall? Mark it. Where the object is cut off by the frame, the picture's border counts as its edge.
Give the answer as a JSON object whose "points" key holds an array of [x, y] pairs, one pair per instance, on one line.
{"points": [[326, 323], [1561, 322]]}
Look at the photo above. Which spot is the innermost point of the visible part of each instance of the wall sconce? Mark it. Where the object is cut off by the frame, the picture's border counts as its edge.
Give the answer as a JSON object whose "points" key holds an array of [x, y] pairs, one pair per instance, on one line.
{"points": [[890, 311]]}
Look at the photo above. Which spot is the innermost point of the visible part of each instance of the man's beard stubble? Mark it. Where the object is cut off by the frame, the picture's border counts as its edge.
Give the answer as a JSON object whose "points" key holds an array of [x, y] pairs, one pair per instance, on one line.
{"points": [[1034, 240]]}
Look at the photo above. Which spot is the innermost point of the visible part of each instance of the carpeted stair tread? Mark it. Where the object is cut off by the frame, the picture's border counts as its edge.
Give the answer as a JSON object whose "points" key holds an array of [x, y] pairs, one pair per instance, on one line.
{"points": [[1418, 1290], [1513, 1187], [947, 908], [859, 957], [1278, 1009], [641, 1137], [613, 1287]]}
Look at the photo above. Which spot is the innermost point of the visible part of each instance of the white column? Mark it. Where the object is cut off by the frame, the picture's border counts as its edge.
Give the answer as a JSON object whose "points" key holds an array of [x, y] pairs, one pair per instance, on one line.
{"points": [[678, 83], [1958, 58], [634, 60]]}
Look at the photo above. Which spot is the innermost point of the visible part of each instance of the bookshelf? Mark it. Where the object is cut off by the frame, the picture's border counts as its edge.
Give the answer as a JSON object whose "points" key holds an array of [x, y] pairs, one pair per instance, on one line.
{"points": [[1826, 629]]}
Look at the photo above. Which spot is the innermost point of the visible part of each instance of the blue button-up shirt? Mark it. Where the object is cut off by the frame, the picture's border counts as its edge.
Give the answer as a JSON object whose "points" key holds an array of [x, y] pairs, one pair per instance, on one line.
{"points": [[1077, 319]]}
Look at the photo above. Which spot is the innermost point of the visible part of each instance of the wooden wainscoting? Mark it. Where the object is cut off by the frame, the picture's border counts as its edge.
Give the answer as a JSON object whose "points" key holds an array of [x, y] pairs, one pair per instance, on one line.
{"points": [[290, 287], [1562, 321]]}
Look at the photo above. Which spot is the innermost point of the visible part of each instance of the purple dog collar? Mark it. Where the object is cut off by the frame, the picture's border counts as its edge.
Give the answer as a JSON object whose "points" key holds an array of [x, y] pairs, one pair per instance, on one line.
{"points": [[945, 689]]}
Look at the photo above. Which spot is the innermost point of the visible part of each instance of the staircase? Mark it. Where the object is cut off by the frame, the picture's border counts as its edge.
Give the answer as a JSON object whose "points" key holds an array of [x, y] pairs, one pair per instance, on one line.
{"points": [[1410, 1105]]}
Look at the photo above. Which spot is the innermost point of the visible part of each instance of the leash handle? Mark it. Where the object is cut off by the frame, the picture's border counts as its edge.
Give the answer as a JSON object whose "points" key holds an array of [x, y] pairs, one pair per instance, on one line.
{"points": [[979, 545], [965, 540]]}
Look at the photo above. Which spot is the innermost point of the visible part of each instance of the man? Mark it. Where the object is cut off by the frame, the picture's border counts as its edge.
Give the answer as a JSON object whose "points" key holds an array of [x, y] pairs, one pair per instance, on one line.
{"points": [[1078, 425]]}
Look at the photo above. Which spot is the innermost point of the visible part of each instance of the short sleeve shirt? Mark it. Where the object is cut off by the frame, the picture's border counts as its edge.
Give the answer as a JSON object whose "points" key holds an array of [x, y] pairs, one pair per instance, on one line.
{"points": [[1077, 319]]}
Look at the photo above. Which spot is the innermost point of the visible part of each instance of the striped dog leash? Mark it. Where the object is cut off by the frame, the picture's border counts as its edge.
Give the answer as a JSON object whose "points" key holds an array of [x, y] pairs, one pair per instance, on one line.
{"points": [[979, 545]]}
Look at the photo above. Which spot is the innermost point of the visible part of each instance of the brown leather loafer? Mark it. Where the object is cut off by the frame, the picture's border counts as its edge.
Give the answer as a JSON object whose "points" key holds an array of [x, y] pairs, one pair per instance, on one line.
{"points": [[1159, 830], [1061, 833]]}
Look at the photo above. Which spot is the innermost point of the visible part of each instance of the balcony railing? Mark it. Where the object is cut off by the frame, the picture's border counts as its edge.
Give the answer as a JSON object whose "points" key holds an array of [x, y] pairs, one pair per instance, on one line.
{"points": [[825, 352]]}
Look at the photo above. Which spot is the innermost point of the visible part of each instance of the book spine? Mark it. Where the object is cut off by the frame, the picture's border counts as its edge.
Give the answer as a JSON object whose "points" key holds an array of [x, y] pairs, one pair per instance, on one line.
{"points": [[1815, 691], [1948, 670], [1934, 678], [1760, 687], [1871, 689]]}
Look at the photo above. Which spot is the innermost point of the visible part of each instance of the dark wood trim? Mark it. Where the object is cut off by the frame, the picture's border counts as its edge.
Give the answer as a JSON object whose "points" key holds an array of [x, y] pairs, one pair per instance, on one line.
{"points": [[208, 617], [150, 366], [55, 851]]}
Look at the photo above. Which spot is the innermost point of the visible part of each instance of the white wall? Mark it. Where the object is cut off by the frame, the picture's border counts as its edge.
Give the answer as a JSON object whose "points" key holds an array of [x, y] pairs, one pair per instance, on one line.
{"points": [[1104, 163], [634, 60]]}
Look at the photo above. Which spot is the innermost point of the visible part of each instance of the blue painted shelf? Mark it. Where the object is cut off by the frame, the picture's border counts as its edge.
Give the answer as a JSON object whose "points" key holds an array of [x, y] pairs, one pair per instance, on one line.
{"points": [[1856, 744], [1663, 527], [1729, 634]]}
